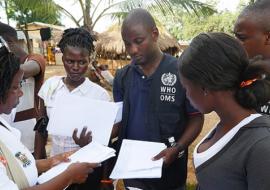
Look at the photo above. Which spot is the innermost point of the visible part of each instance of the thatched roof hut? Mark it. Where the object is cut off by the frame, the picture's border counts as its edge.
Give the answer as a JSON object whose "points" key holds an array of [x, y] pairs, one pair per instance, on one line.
{"points": [[110, 43]]}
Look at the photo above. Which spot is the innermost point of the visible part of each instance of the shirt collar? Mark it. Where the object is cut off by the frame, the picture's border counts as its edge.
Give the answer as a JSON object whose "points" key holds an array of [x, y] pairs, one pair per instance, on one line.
{"points": [[83, 88]]}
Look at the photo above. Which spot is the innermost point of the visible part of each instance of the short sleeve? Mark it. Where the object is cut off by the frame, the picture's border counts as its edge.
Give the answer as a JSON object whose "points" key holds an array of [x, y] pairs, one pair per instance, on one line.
{"points": [[39, 59], [105, 96], [43, 90], [5, 182], [48, 88], [117, 90], [258, 166]]}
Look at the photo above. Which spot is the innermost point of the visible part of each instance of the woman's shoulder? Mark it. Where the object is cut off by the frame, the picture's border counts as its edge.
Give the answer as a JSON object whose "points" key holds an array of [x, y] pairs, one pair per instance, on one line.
{"points": [[53, 79], [97, 89], [257, 130]]}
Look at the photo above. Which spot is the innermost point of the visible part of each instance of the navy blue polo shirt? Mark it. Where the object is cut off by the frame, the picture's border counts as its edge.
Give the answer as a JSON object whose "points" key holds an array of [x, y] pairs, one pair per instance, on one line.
{"points": [[139, 94], [138, 99]]}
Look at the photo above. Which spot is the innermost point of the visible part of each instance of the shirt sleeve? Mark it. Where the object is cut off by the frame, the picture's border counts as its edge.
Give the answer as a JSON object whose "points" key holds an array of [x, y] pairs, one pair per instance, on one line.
{"points": [[105, 96], [5, 182], [118, 93], [258, 166], [39, 59], [43, 93], [48, 88]]}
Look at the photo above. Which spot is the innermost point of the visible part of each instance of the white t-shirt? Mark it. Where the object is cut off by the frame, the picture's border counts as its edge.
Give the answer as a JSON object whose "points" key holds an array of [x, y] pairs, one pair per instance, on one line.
{"points": [[27, 102], [11, 138], [53, 88]]}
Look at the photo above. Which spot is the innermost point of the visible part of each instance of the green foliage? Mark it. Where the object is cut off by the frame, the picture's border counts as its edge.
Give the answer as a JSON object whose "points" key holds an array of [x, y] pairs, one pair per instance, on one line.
{"points": [[26, 11], [166, 7], [120, 9], [186, 26], [220, 22]]}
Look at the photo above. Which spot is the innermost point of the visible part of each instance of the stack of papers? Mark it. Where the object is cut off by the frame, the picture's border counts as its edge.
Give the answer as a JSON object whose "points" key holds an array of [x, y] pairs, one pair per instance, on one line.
{"points": [[92, 153], [70, 112], [135, 160]]}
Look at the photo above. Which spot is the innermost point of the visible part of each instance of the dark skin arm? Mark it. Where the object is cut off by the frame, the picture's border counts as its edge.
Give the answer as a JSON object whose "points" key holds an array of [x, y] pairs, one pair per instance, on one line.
{"points": [[108, 164], [115, 130], [84, 139], [40, 140], [192, 130], [75, 173], [46, 164], [31, 68]]}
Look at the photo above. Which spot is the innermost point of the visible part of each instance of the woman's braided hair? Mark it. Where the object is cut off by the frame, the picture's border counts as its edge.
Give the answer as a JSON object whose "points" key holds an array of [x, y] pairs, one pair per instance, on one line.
{"points": [[77, 37], [9, 66]]}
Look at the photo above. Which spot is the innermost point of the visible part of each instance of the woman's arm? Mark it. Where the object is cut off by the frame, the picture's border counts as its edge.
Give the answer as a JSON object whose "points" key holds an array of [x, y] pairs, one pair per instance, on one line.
{"points": [[46, 164], [75, 173], [258, 165], [41, 136]]}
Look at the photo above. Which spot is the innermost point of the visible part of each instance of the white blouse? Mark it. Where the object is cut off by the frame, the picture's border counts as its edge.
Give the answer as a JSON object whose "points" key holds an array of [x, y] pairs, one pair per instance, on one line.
{"points": [[200, 158], [53, 88], [11, 138]]}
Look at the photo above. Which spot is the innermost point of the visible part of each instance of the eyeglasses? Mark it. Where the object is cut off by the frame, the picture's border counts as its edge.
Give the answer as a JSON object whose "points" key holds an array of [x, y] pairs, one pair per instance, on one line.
{"points": [[4, 44]]}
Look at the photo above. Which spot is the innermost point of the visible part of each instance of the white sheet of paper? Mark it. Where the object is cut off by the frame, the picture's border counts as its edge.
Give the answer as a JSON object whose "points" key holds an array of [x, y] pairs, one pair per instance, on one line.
{"points": [[72, 112], [119, 112], [92, 153], [27, 100], [135, 160], [27, 132]]}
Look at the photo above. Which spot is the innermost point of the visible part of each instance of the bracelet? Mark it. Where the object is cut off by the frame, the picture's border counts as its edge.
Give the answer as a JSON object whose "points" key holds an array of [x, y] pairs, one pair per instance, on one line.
{"points": [[178, 146], [180, 149], [106, 181]]}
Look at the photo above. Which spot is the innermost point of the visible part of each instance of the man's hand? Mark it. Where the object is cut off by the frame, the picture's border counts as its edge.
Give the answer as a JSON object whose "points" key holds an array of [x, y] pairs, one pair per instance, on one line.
{"points": [[84, 139], [168, 155]]}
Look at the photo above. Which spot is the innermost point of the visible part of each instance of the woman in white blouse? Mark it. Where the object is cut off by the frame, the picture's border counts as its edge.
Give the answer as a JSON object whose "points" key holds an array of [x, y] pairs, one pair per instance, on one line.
{"points": [[18, 168]]}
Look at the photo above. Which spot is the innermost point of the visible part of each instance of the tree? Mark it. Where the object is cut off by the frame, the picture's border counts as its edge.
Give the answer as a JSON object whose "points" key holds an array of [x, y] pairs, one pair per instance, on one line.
{"points": [[27, 11], [192, 26], [119, 9]]}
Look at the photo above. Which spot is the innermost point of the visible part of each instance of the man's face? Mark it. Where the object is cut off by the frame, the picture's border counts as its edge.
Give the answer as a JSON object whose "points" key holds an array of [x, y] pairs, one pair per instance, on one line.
{"points": [[139, 42], [253, 38]]}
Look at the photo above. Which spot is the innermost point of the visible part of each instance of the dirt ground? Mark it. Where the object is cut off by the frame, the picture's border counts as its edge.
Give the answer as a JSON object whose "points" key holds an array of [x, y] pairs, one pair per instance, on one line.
{"points": [[210, 120]]}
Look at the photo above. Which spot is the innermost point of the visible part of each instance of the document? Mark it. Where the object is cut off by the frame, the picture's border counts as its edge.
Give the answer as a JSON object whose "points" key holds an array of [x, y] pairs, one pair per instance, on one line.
{"points": [[119, 112], [70, 112], [92, 153], [135, 160]]}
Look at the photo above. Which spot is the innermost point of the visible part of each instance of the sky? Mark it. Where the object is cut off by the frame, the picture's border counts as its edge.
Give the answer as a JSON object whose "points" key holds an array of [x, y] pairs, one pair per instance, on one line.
{"points": [[104, 23], [227, 4]]}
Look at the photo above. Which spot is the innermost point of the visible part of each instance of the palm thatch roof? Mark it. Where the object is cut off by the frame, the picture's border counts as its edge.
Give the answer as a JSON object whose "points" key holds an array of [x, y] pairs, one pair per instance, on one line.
{"points": [[111, 45]]}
